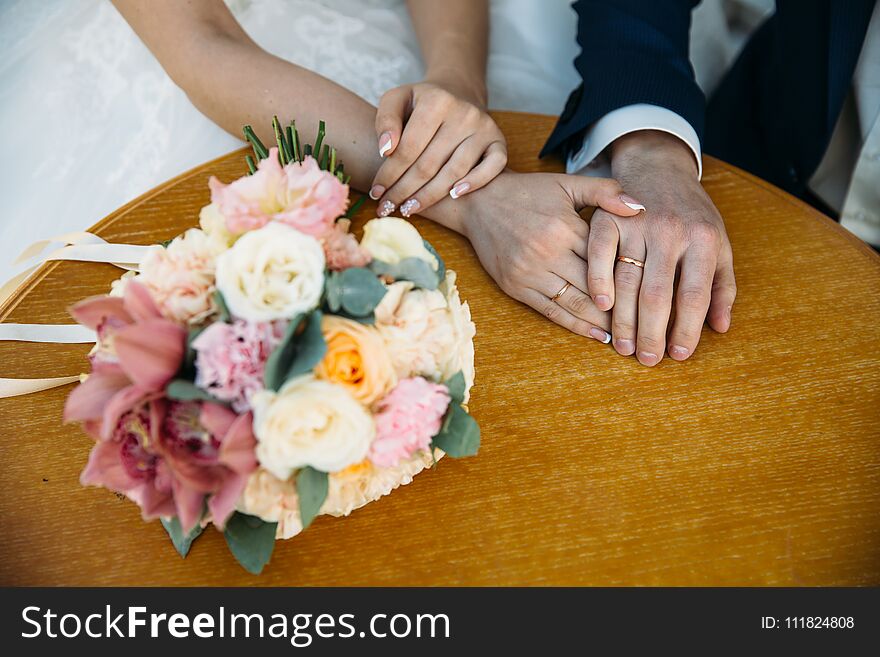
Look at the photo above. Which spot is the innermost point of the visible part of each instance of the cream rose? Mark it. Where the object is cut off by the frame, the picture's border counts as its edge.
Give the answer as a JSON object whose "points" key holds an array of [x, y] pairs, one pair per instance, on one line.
{"points": [[310, 422], [391, 239], [428, 333], [180, 277], [214, 225], [272, 273], [275, 500]]}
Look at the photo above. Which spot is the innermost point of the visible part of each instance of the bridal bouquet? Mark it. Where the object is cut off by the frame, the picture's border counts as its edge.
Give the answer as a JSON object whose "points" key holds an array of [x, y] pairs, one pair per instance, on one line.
{"points": [[267, 367]]}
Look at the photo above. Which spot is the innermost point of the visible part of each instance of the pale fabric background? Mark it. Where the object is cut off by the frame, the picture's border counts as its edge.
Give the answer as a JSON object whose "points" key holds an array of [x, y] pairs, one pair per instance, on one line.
{"points": [[91, 121]]}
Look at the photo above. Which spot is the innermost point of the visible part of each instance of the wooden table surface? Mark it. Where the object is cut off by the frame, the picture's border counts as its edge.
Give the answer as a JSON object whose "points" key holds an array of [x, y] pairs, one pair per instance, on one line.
{"points": [[755, 462]]}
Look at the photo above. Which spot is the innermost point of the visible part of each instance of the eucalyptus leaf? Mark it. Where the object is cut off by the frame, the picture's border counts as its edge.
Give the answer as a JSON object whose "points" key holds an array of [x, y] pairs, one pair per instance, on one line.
{"points": [[182, 542], [183, 390], [357, 291], [298, 352], [441, 270], [311, 487], [460, 435], [278, 362], [456, 386], [416, 270], [250, 540], [222, 308], [311, 346]]}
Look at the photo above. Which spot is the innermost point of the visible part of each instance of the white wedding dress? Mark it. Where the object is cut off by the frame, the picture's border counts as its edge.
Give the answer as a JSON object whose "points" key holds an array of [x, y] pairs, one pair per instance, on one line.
{"points": [[90, 120]]}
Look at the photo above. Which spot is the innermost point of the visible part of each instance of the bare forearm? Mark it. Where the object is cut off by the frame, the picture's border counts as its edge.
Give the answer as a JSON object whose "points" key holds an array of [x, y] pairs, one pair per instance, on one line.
{"points": [[234, 82], [454, 37]]}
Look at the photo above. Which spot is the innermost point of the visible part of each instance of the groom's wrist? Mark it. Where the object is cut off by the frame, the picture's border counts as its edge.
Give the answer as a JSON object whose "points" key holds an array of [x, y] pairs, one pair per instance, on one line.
{"points": [[649, 148]]}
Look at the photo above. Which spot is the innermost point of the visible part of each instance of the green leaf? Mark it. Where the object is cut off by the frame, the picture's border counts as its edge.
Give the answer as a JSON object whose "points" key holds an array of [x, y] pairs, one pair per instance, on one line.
{"points": [[311, 486], [250, 540], [310, 346], [409, 269], [297, 353], [182, 542], [183, 390], [357, 291], [441, 270], [456, 386], [278, 362], [460, 435], [222, 308]]}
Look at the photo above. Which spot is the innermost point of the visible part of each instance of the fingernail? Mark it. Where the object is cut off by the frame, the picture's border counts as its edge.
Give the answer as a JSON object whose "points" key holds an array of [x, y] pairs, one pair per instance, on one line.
{"points": [[631, 203], [603, 301], [647, 358], [459, 189], [386, 208], [625, 347], [384, 143], [412, 205], [600, 335], [376, 192], [679, 353]]}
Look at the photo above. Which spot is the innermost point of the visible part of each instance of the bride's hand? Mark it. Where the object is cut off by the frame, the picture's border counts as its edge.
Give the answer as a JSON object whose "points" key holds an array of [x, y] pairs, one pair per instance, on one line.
{"points": [[436, 142], [529, 236]]}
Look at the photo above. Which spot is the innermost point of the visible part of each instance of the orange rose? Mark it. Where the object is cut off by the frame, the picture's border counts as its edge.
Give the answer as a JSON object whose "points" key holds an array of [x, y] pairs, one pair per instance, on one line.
{"points": [[357, 359]]}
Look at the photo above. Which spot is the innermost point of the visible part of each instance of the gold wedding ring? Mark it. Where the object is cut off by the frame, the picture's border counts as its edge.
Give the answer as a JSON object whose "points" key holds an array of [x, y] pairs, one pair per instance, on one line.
{"points": [[632, 261], [561, 292]]}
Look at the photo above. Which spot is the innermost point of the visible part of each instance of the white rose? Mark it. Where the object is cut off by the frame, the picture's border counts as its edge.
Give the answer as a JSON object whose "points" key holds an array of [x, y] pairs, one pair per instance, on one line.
{"points": [[310, 422], [391, 239], [272, 273]]}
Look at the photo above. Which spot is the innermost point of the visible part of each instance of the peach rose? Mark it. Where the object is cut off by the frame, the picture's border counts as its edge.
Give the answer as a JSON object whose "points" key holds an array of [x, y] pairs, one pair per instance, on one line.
{"points": [[356, 358]]}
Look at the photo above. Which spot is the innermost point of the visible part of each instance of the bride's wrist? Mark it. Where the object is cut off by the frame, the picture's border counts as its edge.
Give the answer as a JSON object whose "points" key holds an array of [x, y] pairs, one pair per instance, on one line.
{"points": [[460, 83]]}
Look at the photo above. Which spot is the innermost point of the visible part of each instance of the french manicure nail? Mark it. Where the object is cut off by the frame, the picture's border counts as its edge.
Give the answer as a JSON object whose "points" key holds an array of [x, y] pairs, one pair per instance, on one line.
{"points": [[459, 189], [631, 203], [625, 347], [603, 301], [386, 208], [384, 143], [679, 352], [600, 335], [647, 358], [376, 192], [412, 205]]}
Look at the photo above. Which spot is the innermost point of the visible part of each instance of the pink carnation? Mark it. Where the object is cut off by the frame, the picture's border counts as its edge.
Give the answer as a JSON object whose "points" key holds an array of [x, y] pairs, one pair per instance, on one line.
{"points": [[341, 248], [231, 358], [300, 195], [409, 417]]}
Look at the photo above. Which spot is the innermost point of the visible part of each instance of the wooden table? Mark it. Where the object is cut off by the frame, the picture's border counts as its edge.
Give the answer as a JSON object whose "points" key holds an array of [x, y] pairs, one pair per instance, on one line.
{"points": [[755, 462]]}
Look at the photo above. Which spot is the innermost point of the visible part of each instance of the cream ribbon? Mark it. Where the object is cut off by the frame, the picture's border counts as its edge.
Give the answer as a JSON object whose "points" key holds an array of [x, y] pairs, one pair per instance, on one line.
{"points": [[77, 246]]}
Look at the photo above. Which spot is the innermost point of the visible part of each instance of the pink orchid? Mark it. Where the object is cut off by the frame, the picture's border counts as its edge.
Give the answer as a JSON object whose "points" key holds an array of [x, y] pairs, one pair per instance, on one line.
{"points": [[301, 195], [170, 456], [167, 456], [139, 353], [341, 248]]}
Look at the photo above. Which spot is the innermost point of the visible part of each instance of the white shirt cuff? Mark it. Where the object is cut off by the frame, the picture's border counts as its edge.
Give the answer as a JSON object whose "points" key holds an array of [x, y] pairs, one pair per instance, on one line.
{"points": [[591, 159]]}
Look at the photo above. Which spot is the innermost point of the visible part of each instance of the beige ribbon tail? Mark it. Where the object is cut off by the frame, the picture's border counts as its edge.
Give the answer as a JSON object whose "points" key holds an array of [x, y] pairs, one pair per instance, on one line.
{"points": [[16, 387]]}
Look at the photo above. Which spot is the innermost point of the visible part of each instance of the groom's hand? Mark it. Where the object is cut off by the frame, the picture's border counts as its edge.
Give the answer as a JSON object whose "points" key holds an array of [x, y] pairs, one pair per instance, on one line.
{"points": [[679, 235], [529, 236]]}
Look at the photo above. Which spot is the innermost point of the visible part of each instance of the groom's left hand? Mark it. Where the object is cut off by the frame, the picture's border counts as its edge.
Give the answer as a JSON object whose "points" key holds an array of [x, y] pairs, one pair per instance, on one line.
{"points": [[679, 235]]}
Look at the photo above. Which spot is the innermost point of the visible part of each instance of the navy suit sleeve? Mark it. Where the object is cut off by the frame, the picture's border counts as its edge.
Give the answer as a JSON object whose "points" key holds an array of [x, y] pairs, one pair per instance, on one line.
{"points": [[632, 51]]}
